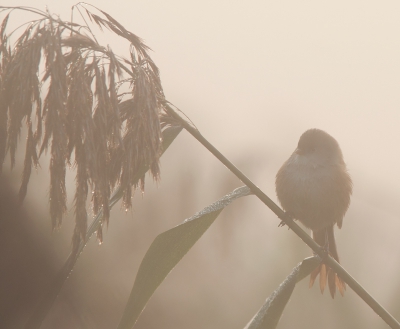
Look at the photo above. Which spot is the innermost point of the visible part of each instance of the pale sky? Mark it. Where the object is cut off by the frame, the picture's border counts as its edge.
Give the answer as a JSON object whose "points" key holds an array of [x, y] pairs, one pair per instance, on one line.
{"points": [[254, 75], [262, 72]]}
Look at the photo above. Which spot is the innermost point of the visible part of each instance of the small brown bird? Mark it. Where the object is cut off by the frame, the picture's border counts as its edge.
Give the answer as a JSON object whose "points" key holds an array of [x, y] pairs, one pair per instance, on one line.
{"points": [[314, 187]]}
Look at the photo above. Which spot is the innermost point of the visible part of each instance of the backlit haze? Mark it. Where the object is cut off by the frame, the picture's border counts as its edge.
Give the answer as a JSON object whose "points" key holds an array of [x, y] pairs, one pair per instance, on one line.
{"points": [[252, 76]]}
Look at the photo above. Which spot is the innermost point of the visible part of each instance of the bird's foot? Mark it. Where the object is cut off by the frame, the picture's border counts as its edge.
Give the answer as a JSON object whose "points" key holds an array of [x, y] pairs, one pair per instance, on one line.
{"points": [[288, 217]]}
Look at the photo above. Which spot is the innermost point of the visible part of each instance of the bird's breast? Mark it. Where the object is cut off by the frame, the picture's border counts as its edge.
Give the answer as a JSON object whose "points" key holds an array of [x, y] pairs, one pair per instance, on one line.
{"points": [[311, 193]]}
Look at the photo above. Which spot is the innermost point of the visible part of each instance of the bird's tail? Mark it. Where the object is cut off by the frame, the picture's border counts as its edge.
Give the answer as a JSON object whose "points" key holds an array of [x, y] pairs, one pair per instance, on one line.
{"points": [[326, 239]]}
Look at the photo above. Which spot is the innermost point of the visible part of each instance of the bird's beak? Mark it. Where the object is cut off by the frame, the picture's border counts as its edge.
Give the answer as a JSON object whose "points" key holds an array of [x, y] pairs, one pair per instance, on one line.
{"points": [[299, 151]]}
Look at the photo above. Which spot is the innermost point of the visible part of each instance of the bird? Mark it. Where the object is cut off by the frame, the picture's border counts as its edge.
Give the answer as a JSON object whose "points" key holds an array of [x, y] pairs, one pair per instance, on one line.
{"points": [[314, 187]]}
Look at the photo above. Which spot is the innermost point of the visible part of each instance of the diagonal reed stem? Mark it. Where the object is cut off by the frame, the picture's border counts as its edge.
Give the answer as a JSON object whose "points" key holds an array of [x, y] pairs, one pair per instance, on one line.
{"points": [[353, 284]]}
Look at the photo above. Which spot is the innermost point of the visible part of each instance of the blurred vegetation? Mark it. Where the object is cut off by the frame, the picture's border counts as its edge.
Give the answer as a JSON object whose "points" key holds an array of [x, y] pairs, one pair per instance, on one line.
{"points": [[106, 117]]}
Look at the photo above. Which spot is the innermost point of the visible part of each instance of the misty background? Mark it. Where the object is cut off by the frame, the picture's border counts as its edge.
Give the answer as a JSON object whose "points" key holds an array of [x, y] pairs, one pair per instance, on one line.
{"points": [[252, 76]]}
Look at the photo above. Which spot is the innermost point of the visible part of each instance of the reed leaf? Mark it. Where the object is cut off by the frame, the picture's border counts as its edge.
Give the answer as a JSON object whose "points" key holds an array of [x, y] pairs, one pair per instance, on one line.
{"points": [[269, 314], [167, 250]]}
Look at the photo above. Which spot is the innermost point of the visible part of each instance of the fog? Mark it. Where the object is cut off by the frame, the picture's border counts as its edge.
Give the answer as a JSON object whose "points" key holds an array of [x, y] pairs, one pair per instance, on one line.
{"points": [[252, 76]]}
